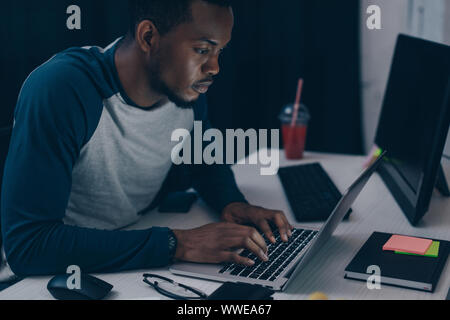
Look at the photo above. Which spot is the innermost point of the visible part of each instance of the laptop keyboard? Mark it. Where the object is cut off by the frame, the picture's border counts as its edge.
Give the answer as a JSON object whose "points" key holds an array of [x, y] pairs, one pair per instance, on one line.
{"points": [[311, 193], [280, 255]]}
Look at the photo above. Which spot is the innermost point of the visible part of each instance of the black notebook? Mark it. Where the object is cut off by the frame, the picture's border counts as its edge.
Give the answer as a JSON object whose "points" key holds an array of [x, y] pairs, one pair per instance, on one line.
{"points": [[409, 271]]}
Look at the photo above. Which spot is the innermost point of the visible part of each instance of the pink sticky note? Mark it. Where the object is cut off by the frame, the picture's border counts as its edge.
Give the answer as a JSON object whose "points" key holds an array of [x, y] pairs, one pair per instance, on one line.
{"points": [[408, 244]]}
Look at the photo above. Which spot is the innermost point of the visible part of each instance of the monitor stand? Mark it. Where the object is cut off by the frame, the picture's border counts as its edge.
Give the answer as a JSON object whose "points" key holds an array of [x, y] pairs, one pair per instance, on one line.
{"points": [[441, 183]]}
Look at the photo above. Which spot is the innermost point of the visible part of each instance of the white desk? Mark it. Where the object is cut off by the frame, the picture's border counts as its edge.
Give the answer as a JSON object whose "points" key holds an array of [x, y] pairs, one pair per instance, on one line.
{"points": [[374, 210]]}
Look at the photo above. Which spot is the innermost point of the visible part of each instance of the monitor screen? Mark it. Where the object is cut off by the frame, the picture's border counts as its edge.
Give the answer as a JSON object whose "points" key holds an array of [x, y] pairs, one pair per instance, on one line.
{"points": [[411, 123]]}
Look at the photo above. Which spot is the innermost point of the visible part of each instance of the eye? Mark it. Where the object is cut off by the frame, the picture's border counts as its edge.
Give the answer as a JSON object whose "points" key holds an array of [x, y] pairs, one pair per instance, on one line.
{"points": [[201, 51]]}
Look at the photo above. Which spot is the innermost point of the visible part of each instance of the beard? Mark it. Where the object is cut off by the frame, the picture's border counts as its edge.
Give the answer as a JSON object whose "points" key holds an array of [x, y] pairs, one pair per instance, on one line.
{"points": [[161, 87]]}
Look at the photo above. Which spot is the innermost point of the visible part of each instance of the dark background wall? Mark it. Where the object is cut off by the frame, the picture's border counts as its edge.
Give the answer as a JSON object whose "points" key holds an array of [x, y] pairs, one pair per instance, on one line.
{"points": [[274, 43]]}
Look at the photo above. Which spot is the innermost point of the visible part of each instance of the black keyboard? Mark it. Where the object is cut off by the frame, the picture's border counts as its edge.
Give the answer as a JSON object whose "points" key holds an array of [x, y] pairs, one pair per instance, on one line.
{"points": [[311, 193], [280, 255]]}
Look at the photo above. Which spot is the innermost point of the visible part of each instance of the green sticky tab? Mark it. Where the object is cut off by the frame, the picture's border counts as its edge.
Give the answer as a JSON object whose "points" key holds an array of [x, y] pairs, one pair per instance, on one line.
{"points": [[433, 251]]}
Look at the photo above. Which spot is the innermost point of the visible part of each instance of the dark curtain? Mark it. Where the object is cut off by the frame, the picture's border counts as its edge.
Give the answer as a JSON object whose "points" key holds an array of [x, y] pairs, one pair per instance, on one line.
{"points": [[33, 31], [274, 43]]}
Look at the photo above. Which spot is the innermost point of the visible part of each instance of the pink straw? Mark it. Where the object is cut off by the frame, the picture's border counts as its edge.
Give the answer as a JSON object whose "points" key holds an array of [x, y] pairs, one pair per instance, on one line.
{"points": [[297, 102]]}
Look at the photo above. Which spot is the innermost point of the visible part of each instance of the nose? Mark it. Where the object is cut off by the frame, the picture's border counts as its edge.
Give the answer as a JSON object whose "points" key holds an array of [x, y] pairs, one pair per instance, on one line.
{"points": [[211, 67]]}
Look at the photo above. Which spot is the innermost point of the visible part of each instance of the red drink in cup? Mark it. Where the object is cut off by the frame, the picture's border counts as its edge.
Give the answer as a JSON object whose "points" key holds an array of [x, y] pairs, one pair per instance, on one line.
{"points": [[294, 136]]}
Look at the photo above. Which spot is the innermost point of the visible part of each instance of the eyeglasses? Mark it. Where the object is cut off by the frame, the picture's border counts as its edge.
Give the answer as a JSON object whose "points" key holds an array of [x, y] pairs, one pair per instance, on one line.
{"points": [[172, 289]]}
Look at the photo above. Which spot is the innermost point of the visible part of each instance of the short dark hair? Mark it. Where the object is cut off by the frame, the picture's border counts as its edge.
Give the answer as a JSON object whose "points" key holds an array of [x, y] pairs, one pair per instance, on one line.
{"points": [[165, 14]]}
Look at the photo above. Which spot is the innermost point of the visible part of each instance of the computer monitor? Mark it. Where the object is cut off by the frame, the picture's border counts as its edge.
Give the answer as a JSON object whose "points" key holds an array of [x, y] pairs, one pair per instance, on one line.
{"points": [[414, 123]]}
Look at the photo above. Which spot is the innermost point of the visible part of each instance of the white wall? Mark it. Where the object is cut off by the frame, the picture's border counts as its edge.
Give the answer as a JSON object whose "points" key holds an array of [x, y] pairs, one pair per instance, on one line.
{"points": [[429, 19]]}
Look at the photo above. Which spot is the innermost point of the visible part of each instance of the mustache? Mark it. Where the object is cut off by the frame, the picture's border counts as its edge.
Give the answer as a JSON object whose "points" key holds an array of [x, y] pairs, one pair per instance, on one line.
{"points": [[208, 80]]}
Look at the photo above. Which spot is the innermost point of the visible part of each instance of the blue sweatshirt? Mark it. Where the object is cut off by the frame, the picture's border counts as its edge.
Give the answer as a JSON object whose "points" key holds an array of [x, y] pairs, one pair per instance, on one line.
{"points": [[85, 161]]}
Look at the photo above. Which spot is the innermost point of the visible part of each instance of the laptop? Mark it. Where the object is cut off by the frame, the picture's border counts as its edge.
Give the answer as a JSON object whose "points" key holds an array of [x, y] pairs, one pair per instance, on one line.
{"points": [[286, 260]]}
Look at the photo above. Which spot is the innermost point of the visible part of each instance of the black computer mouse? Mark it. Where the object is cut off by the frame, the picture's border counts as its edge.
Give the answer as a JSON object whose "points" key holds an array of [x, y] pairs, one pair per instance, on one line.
{"points": [[91, 288]]}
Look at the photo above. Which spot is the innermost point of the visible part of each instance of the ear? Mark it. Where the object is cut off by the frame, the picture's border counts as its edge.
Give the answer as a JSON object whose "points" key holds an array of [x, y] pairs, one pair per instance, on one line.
{"points": [[147, 36]]}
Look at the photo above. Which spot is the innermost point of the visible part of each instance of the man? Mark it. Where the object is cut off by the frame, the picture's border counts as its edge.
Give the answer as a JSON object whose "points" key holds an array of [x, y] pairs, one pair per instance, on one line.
{"points": [[91, 151]]}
